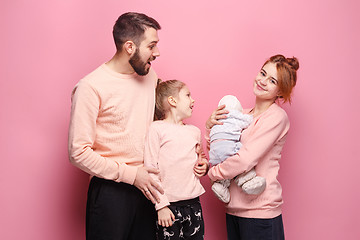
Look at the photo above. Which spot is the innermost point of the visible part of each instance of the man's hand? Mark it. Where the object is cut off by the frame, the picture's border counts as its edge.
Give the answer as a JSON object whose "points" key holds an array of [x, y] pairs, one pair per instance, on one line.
{"points": [[214, 118], [201, 168], [147, 185], [166, 217]]}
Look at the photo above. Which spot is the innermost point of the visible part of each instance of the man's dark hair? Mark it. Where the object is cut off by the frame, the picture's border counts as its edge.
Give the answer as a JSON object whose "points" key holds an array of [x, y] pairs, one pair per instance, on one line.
{"points": [[131, 27]]}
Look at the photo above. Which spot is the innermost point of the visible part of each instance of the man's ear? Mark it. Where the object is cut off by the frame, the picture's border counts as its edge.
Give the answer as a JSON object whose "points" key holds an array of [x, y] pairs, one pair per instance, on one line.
{"points": [[129, 47], [172, 101]]}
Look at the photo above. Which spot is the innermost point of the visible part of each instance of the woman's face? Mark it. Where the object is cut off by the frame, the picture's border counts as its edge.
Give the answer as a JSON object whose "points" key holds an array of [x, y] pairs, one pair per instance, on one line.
{"points": [[266, 83]]}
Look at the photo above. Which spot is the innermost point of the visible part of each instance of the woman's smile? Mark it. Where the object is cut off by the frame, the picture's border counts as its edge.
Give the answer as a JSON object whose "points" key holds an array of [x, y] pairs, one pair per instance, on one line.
{"points": [[259, 87]]}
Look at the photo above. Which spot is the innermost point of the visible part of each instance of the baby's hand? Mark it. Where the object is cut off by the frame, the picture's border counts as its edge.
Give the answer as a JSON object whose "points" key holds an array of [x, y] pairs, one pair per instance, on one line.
{"points": [[201, 168], [165, 217]]}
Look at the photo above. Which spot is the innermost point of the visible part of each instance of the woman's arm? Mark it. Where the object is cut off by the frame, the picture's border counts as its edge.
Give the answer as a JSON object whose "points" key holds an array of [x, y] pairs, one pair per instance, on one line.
{"points": [[268, 130], [151, 159]]}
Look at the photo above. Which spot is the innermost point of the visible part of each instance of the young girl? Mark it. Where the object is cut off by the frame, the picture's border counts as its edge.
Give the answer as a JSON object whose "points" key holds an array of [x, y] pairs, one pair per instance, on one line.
{"points": [[174, 148]]}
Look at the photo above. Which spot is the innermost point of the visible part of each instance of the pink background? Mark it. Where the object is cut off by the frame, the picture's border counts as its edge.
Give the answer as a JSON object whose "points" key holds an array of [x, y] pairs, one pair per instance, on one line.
{"points": [[217, 47]]}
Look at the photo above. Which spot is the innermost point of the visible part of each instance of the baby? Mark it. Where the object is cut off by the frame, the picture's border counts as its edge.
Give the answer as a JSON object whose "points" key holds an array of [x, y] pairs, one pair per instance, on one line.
{"points": [[225, 142]]}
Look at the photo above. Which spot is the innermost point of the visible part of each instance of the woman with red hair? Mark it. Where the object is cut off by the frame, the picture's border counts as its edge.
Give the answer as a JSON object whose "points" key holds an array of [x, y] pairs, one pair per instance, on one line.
{"points": [[259, 216]]}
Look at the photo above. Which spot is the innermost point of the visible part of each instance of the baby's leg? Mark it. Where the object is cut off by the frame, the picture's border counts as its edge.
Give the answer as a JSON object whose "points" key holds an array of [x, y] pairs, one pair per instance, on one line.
{"points": [[214, 157], [220, 150], [221, 190], [244, 177], [250, 183], [255, 186]]}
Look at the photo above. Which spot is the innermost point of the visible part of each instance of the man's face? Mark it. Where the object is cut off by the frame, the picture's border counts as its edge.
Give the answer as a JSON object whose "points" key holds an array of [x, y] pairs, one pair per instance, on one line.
{"points": [[140, 61]]}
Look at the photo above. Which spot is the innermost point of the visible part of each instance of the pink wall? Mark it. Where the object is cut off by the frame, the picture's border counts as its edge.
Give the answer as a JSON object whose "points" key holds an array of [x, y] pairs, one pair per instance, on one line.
{"points": [[216, 47]]}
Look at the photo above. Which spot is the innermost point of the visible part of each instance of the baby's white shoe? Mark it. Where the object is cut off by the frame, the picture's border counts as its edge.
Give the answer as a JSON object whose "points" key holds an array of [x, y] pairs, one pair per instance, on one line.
{"points": [[244, 177], [221, 190], [255, 186]]}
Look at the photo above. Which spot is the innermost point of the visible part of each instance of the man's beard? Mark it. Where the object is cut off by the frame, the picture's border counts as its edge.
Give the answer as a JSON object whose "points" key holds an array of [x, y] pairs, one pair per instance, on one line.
{"points": [[138, 65]]}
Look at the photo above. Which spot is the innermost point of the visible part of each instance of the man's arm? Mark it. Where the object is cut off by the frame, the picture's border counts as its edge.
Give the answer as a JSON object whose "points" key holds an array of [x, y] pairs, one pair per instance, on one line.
{"points": [[82, 132]]}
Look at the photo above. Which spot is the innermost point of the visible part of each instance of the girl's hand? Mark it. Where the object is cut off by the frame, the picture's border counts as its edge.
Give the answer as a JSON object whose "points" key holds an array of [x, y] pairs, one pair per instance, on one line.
{"points": [[201, 168], [219, 113], [166, 217]]}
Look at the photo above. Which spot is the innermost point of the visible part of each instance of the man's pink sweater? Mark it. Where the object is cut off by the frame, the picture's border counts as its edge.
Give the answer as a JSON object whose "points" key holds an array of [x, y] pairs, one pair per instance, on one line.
{"points": [[262, 142], [110, 115], [172, 149]]}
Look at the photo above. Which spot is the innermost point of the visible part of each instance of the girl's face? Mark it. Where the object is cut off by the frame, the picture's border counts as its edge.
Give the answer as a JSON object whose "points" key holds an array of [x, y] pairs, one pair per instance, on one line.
{"points": [[184, 103], [266, 83]]}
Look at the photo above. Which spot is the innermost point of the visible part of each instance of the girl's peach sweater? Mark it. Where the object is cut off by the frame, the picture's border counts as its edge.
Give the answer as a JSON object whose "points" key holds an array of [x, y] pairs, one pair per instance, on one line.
{"points": [[172, 148]]}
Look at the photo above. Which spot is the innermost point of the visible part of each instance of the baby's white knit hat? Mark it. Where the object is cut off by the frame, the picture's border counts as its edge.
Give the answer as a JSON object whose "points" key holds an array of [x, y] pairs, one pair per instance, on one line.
{"points": [[231, 103]]}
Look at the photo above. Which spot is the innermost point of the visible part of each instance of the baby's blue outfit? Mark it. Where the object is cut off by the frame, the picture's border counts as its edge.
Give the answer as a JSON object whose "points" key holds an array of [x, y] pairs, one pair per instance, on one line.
{"points": [[227, 136]]}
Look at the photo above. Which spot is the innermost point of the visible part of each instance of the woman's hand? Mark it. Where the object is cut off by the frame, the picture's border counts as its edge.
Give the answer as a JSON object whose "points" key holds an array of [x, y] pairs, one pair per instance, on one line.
{"points": [[166, 217], [218, 114]]}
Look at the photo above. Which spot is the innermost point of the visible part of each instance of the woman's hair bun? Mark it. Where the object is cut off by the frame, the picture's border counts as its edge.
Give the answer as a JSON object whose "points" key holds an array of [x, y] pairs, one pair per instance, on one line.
{"points": [[158, 81], [293, 62], [286, 73]]}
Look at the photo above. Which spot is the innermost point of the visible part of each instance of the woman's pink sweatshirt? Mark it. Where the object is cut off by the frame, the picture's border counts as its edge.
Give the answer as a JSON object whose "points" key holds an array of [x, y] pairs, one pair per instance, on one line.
{"points": [[172, 148], [262, 142], [110, 116]]}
